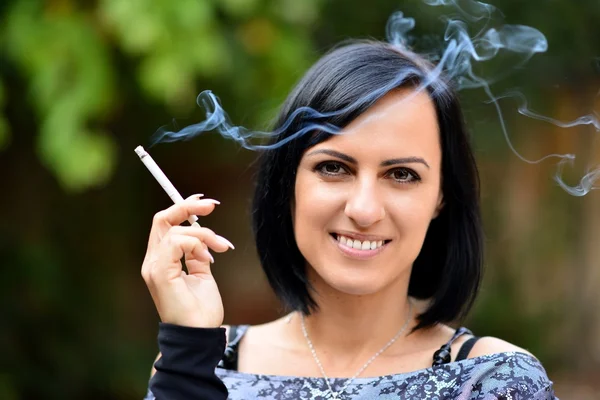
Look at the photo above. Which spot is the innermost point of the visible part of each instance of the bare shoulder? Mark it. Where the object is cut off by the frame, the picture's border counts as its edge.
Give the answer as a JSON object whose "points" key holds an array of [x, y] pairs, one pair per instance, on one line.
{"points": [[490, 345], [260, 334]]}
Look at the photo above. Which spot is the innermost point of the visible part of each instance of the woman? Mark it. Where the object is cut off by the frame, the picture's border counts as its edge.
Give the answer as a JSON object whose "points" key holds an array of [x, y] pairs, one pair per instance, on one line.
{"points": [[372, 238]]}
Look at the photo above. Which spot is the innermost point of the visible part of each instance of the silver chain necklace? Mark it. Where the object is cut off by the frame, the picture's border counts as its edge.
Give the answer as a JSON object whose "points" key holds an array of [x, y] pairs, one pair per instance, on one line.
{"points": [[332, 393]]}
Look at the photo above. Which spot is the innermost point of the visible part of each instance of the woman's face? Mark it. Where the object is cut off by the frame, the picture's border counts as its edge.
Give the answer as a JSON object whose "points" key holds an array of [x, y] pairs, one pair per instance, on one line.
{"points": [[364, 199]]}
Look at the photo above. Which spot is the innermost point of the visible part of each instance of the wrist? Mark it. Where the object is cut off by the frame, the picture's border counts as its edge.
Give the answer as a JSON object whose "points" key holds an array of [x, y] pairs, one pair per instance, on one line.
{"points": [[191, 321]]}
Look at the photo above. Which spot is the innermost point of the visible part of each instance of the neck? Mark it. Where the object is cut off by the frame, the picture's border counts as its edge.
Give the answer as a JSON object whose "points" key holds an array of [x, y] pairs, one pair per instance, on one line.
{"points": [[352, 328]]}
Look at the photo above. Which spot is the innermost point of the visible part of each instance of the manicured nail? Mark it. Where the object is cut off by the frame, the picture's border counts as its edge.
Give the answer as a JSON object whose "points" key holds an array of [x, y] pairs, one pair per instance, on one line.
{"points": [[227, 242], [211, 201], [212, 260], [199, 196]]}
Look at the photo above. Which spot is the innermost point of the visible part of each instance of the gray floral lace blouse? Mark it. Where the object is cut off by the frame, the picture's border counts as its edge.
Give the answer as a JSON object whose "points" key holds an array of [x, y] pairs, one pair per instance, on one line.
{"points": [[506, 376], [510, 376], [498, 376]]}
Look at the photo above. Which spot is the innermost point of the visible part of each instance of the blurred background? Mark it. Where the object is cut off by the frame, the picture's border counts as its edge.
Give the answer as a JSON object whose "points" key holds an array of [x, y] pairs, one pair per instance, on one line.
{"points": [[82, 83]]}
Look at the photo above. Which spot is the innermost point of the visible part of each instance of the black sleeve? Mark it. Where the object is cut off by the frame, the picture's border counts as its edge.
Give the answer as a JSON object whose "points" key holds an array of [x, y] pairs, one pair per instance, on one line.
{"points": [[186, 368]]}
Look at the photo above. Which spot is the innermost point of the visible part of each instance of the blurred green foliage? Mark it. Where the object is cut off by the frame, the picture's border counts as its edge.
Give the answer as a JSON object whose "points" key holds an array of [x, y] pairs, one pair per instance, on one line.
{"points": [[66, 54], [83, 83]]}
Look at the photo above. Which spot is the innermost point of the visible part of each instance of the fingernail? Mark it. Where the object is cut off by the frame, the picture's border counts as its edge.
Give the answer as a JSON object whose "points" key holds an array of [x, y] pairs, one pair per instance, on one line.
{"points": [[212, 260], [199, 196], [227, 242], [212, 201]]}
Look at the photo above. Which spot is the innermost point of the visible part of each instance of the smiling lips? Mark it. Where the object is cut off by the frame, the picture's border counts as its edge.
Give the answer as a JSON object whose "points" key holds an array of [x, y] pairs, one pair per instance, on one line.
{"points": [[359, 245], [359, 248]]}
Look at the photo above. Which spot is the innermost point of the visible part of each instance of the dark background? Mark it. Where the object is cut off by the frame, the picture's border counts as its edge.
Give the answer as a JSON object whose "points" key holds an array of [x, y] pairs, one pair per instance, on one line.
{"points": [[82, 83]]}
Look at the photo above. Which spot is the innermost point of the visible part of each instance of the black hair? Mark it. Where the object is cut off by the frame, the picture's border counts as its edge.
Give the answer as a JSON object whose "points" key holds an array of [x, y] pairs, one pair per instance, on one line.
{"points": [[448, 268]]}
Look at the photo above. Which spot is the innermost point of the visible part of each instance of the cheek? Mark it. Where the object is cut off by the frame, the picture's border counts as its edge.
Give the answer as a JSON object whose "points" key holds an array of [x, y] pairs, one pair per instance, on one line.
{"points": [[313, 196], [314, 203], [303, 198], [413, 212], [317, 205]]}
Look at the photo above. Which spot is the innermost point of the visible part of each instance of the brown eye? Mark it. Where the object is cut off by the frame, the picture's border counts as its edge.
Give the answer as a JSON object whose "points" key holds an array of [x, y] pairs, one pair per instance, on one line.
{"points": [[404, 175], [330, 168]]}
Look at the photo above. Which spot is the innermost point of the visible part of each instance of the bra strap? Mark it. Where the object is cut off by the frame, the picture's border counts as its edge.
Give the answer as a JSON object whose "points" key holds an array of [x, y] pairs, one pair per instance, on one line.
{"points": [[230, 355], [466, 347], [444, 354]]}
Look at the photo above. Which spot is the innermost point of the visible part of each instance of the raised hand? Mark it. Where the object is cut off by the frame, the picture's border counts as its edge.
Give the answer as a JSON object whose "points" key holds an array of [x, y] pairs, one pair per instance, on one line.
{"points": [[188, 299]]}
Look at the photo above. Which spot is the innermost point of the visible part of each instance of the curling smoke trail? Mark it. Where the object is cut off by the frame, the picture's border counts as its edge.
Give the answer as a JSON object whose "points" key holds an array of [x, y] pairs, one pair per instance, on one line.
{"points": [[455, 58], [485, 45]]}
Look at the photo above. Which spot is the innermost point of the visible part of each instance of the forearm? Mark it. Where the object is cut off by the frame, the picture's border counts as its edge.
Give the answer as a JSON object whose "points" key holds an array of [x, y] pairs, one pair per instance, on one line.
{"points": [[186, 368]]}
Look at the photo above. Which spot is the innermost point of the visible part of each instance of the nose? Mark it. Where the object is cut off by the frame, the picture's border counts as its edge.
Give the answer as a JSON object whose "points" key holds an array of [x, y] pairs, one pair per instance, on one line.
{"points": [[364, 205]]}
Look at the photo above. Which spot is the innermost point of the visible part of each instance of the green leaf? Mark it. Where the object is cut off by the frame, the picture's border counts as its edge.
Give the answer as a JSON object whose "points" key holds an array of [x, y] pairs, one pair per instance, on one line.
{"points": [[70, 84]]}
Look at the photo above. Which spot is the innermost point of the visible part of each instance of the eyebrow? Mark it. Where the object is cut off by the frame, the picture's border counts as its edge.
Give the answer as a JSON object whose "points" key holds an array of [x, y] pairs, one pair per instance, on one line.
{"points": [[386, 163]]}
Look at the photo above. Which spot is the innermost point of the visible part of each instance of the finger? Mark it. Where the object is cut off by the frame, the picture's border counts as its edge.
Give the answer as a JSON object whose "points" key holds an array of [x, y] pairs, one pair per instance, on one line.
{"points": [[167, 265], [180, 212], [210, 238], [196, 267], [174, 247]]}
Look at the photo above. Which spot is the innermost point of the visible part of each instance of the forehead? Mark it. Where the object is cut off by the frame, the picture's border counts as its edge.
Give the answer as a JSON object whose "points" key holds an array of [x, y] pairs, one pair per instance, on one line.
{"points": [[402, 123]]}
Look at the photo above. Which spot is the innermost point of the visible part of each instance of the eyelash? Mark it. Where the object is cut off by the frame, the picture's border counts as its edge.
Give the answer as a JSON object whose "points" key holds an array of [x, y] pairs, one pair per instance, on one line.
{"points": [[320, 168]]}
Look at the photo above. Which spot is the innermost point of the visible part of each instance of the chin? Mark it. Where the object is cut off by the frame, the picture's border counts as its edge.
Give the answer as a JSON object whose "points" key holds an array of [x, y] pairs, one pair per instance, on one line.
{"points": [[355, 284], [355, 290]]}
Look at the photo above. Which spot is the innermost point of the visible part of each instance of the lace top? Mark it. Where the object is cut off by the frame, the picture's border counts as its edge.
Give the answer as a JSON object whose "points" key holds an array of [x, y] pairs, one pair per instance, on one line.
{"points": [[509, 375], [497, 376]]}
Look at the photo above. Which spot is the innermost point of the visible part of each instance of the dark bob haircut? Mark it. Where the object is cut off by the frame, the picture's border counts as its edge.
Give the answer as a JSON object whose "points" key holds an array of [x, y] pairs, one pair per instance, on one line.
{"points": [[448, 269]]}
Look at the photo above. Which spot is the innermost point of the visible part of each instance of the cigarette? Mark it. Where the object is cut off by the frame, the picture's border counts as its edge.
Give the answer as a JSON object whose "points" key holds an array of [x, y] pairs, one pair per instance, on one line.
{"points": [[162, 180]]}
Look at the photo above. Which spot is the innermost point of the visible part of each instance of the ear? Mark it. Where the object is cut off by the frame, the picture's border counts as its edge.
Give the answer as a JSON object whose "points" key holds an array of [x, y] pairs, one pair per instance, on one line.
{"points": [[439, 206]]}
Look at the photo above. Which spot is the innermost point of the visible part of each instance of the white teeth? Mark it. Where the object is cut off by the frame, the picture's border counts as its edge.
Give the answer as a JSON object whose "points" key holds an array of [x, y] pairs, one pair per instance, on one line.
{"points": [[357, 244]]}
